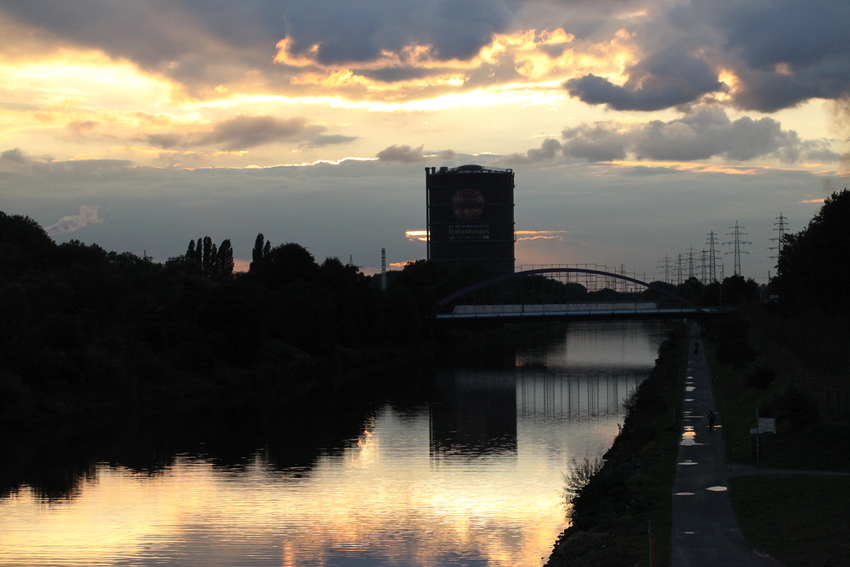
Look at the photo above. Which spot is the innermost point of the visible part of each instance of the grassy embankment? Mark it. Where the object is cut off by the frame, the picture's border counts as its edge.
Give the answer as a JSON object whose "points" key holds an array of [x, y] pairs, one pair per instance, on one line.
{"points": [[611, 514], [802, 520]]}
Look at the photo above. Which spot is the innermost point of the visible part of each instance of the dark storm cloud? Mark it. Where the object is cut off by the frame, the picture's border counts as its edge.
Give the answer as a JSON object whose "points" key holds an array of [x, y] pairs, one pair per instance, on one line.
{"points": [[660, 81], [787, 51], [704, 133], [403, 154], [203, 43], [358, 31], [782, 52]]}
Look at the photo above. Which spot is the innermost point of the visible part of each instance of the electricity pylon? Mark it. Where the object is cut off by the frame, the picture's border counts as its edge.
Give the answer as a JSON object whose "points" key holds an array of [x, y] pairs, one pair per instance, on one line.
{"points": [[736, 243]]}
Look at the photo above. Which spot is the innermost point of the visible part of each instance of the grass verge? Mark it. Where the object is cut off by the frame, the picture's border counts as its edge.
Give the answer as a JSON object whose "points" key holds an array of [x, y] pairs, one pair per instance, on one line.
{"points": [[801, 520]]}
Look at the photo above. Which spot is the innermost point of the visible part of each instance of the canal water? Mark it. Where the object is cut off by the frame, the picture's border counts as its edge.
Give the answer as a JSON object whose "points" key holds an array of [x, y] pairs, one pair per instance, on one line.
{"points": [[464, 469]]}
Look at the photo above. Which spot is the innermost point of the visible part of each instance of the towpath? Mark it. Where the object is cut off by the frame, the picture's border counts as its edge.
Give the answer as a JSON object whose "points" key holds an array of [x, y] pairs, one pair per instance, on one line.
{"points": [[705, 531]]}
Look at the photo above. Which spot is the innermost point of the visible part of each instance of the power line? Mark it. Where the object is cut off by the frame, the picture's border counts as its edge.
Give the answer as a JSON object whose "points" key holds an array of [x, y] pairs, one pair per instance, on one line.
{"points": [[736, 243], [666, 263], [781, 226], [712, 257]]}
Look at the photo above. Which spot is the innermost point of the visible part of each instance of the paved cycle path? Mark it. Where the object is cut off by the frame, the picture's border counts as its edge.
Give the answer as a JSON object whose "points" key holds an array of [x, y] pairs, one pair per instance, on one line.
{"points": [[705, 531]]}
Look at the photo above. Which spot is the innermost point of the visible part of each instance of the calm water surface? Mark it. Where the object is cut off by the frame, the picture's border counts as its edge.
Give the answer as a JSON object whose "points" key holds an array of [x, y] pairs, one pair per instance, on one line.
{"points": [[468, 473]]}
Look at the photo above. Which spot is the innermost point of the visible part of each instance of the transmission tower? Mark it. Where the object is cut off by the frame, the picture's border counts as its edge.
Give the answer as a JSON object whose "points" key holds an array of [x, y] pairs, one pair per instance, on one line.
{"points": [[712, 257], [780, 228], [666, 264], [703, 266], [679, 270], [737, 243], [691, 262], [383, 269]]}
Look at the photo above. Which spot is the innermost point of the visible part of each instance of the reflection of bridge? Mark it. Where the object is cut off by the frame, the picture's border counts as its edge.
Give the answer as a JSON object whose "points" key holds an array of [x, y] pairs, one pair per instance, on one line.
{"points": [[507, 297]]}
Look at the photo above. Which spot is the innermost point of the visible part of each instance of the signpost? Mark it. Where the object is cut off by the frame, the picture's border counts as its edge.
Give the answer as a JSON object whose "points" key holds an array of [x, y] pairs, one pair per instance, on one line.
{"points": [[763, 425]]}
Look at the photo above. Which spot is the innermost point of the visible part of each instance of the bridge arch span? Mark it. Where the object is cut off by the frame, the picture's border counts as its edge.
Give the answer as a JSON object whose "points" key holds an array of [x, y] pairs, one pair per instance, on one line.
{"points": [[452, 297]]}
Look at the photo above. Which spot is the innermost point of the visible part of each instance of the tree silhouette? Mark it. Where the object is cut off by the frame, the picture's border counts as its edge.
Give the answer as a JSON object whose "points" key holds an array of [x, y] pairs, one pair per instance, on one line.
{"points": [[814, 264]]}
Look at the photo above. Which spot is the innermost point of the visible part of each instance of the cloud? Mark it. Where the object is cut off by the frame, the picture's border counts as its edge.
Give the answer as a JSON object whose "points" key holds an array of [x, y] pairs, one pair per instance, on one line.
{"points": [[164, 141], [328, 32], [198, 43], [703, 133], [662, 80], [784, 52], [16, 155], [775, 54], [403, 154], [546, 152], [761, 55], [70, 223], [599, 142], [242, 132], [331, 140], [82, 127]]}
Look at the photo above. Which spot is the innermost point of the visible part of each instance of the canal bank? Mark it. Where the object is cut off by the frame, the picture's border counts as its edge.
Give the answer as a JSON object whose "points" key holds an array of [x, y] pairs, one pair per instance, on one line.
{"points": [[726, 509], [628, 503]]}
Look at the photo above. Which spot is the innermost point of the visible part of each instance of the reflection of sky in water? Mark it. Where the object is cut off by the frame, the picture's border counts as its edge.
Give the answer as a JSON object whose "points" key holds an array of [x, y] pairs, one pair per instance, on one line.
{"points": [[472, 479], [590, 345]]}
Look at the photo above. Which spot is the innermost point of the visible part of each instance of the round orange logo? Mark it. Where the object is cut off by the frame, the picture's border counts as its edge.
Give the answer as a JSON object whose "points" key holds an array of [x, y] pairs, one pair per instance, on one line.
{"points": [[468, 204]]}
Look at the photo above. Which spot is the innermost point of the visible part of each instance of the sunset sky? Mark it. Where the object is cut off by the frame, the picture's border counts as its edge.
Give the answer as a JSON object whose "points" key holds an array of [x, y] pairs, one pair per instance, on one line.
{"points": [[635, 127]]}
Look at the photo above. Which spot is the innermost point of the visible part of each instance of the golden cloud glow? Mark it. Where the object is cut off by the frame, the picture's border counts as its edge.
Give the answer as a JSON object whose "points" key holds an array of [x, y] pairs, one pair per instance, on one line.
{"points": [[532, 54], [691, 166], [540, 235], [414, 235]]}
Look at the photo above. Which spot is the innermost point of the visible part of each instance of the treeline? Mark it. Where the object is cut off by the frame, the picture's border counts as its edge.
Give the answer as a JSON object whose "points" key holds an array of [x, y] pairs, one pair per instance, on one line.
{"points": [[84, 331]]}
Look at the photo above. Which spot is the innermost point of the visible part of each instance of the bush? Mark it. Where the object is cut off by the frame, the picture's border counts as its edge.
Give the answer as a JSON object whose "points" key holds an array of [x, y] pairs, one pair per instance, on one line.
{"points": [[761, 378], [796, 407], [579, 475]]}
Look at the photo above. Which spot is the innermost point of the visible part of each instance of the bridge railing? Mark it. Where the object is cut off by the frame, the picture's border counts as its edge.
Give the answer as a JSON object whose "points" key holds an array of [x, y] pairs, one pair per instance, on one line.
{"points": [[542, 308], [541, 290]]}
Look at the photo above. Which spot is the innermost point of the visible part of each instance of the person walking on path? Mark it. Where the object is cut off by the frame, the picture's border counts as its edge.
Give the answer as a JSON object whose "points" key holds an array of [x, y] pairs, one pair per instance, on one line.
{"points": [[705, 531]]}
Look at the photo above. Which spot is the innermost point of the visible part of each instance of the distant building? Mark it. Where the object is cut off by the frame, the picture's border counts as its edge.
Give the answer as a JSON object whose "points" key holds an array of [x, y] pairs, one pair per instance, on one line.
{"points": [[471, 216]]}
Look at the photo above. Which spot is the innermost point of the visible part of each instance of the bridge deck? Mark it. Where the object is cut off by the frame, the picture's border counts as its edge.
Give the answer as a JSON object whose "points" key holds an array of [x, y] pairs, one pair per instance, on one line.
{"points": [[534, 312]]}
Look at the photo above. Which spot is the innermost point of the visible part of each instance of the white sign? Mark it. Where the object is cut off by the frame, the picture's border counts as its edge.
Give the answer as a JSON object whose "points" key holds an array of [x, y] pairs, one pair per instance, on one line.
{"points": [[767, 425]]}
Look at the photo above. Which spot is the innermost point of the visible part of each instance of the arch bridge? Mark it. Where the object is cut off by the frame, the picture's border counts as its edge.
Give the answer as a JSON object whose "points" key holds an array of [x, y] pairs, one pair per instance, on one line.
{"points": [[509, 297]]}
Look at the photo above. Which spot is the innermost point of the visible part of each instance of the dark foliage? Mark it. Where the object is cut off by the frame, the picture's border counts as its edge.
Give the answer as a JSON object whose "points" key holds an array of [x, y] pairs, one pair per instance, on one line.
{"points": [[733, 345], [814, 264], [84, 331], [796, 407], [761, 377]]}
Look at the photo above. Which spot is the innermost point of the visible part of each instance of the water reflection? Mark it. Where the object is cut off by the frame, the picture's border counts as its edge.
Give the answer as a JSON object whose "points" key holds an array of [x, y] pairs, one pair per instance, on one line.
{"points": [[476, 413], [462, 468]]}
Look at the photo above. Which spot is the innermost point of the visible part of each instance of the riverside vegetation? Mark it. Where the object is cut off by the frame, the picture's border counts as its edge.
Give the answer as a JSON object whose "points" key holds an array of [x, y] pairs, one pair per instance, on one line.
{"points": [[86, 333], [788, 359]]}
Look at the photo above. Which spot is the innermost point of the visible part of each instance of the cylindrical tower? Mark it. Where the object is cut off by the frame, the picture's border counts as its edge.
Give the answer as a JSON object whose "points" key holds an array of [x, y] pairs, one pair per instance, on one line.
{"points": [[471, 216]]}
